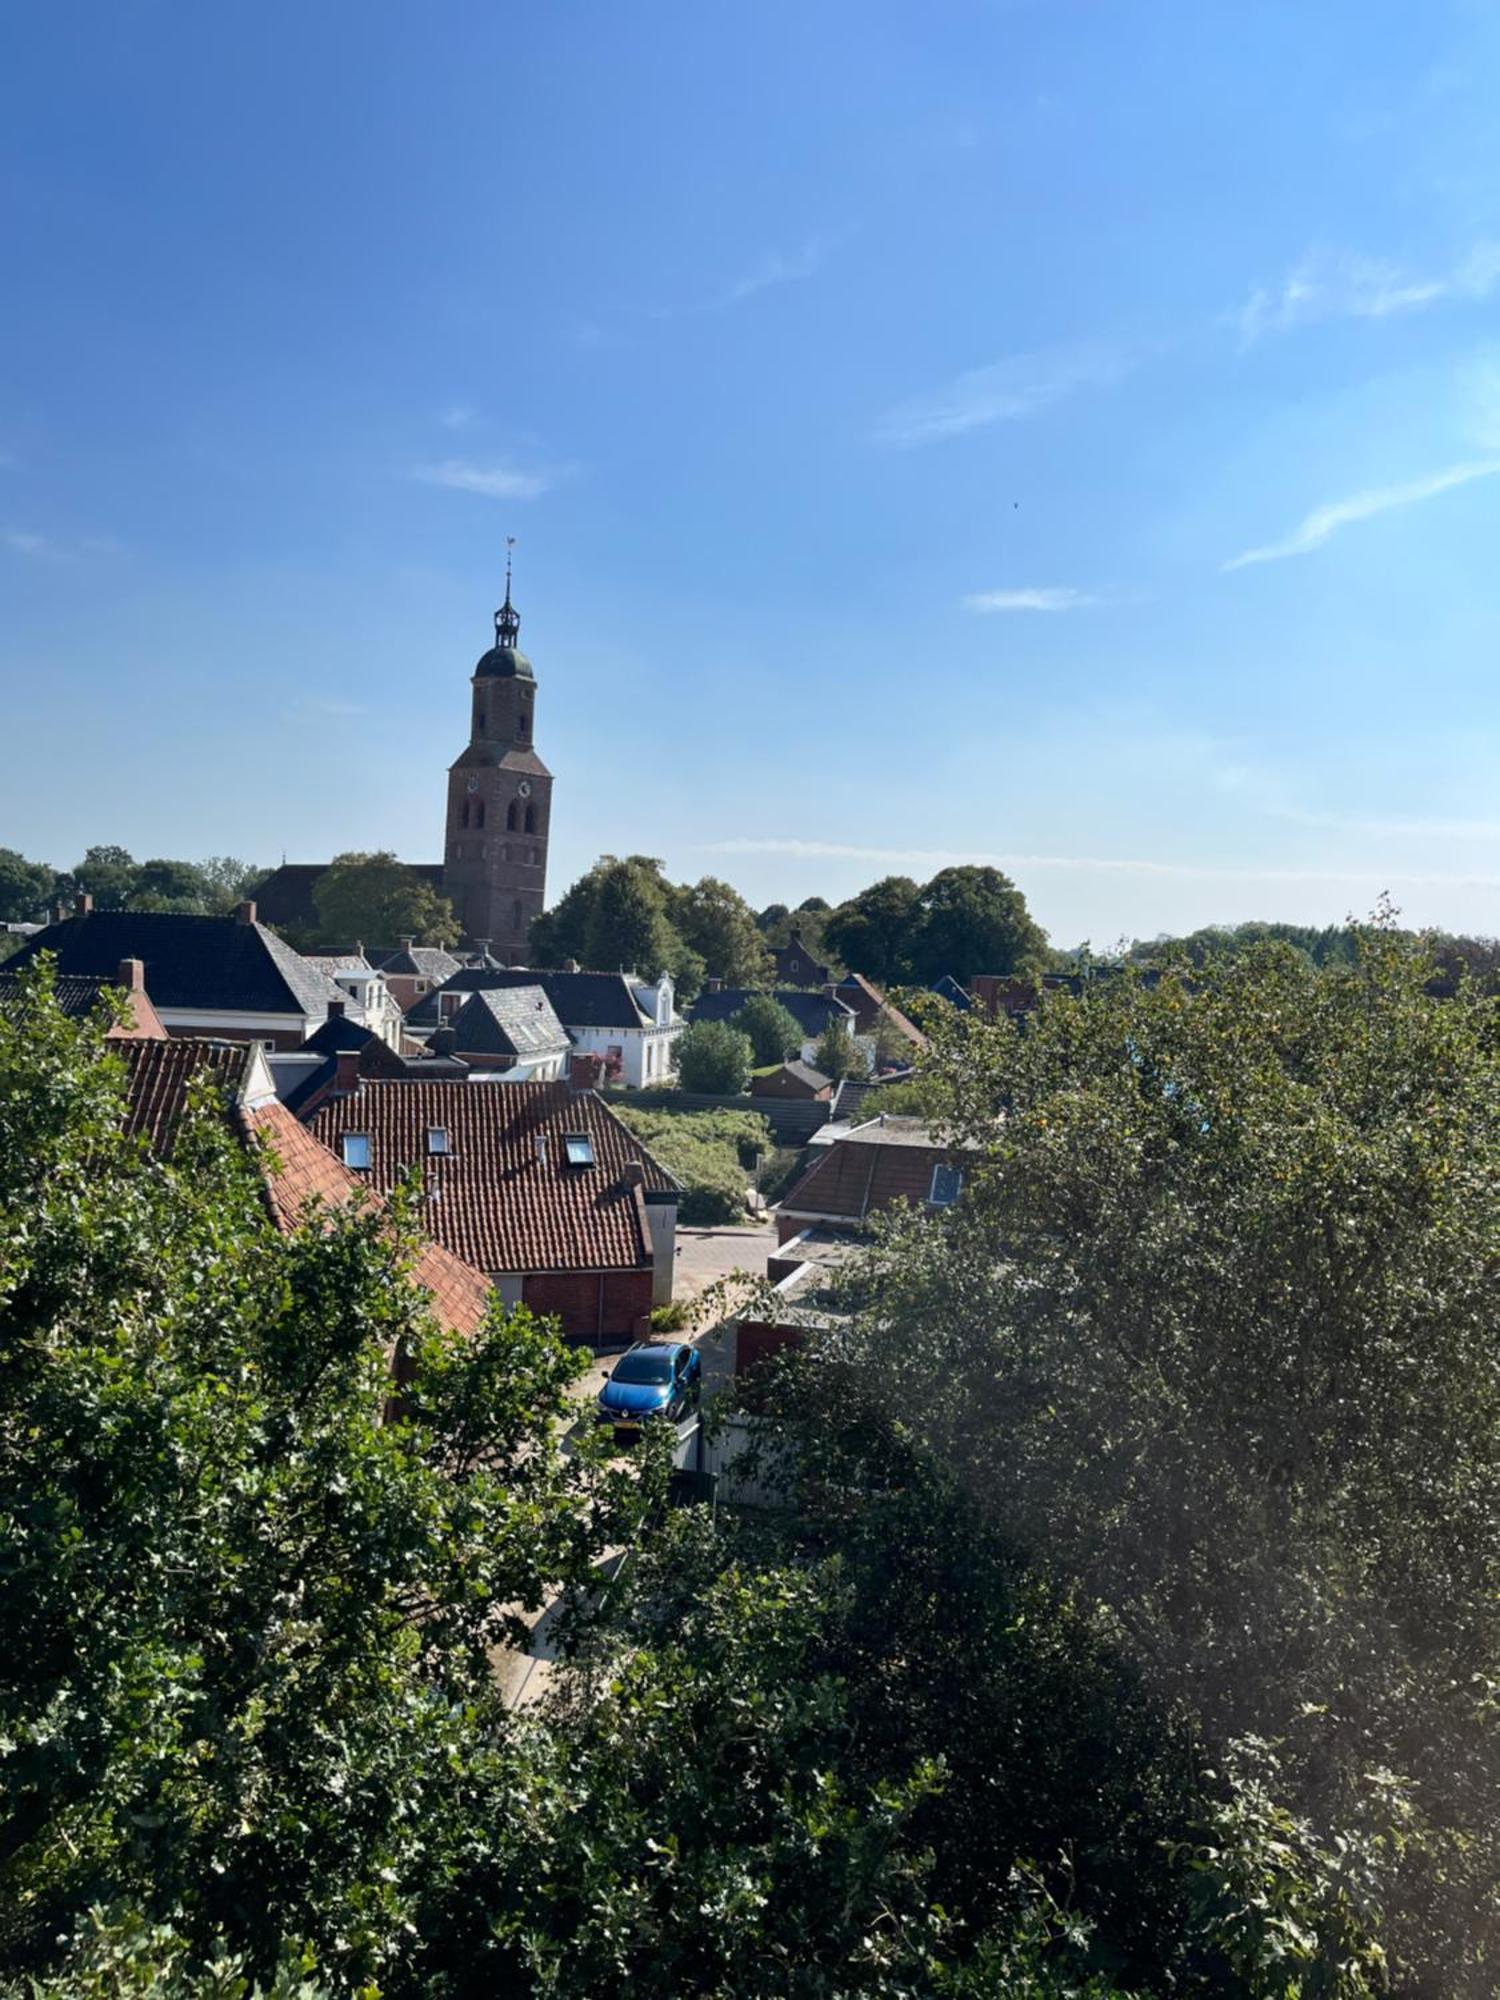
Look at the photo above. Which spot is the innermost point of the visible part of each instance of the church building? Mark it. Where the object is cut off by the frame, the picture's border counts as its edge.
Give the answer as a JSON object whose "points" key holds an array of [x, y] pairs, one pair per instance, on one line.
{"points": [[494, 865]]}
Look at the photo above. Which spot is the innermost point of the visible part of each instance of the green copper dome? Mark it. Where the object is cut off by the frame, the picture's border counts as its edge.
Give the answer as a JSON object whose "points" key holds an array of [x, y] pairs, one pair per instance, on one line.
{"points": [[504, 663]]}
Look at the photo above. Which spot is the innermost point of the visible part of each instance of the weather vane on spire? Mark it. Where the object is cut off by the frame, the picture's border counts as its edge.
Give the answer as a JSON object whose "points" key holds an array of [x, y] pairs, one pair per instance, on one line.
{"points": [[507, 624]]}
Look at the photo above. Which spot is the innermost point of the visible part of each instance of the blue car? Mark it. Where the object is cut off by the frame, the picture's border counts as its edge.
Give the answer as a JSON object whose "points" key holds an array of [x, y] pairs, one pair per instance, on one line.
{"points": [[655, 1378]]}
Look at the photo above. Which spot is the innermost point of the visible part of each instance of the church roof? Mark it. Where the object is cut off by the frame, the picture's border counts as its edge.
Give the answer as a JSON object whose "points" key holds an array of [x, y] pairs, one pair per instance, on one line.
{"points": [[506, 663]]}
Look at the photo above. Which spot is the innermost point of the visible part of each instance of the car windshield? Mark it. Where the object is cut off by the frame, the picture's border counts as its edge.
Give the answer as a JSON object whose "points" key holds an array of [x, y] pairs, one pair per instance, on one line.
{"points": [[644, 1368]]}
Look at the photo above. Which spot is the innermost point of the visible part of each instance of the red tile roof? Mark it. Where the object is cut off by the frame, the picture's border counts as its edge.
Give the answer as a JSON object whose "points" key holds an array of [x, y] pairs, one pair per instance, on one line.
{"points": [[297, 1170], [497, 1202], [876, 1165]]}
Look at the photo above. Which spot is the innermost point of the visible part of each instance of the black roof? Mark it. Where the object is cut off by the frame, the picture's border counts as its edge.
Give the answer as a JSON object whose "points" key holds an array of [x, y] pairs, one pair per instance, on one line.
{"points": [[811, 1011], [424, 961], [579, 999], [508, 1021], [75, 996], [214, 964]]}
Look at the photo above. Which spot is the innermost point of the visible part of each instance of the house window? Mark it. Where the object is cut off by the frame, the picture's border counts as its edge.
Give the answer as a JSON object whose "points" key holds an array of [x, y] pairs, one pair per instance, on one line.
{"points": [[437, 1138], [579, 1148], [357, 1151], [947, 1184], [421, 985]]}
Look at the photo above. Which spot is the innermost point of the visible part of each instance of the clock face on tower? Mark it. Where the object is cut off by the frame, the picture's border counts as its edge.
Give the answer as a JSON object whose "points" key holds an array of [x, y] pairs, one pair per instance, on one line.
{"points": [[473, 784], [524, 788]]}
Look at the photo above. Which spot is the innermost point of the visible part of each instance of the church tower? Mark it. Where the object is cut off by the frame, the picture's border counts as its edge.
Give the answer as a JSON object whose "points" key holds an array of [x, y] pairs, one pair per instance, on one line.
{"points": [[499, 802]]}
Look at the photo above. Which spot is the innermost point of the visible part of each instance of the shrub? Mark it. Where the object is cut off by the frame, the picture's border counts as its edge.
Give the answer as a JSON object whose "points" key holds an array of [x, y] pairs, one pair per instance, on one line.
{"points": [[714, 1058], [773, 1030]]}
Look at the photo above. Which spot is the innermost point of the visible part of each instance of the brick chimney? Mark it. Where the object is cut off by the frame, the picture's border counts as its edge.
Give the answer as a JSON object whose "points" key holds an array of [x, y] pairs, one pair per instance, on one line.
{"points": [[346, 1073], [335, 1010], [245, 913], [85, 904], [585, 1070], [440, 1041], [59, 914], [132, 975], [407, 943], [633, 1174], [713, 986]]}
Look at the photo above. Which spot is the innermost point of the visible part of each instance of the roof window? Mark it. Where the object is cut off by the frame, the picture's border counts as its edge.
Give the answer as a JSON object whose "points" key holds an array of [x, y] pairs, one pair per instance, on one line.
{"points": [[579, 1148], [947, 1185], [357, 1151], [437, 1139]]}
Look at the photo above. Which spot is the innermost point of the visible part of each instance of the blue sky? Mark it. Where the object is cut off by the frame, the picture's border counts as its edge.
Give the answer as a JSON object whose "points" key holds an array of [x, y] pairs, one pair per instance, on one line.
{"points": [[1043, 431]]}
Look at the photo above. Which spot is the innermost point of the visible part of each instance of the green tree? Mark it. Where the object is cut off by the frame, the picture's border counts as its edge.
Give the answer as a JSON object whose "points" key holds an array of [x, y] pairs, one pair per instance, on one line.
{"points": [[717, 923], [172, 885], [108, 875], [773, 1031], [374, 899], [970, 920], [25, 888], [838, 1055], [714, 1059], [871, 933], [250, 1604], [230, 880], [1212, 1326], [618, 916]]}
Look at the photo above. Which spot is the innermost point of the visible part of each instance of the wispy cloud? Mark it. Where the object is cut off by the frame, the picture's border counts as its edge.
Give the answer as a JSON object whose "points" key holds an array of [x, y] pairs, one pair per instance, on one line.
{"points": [[1048, 597], [777, 267], [919, 858], [1338, 285], [495, 482], [458, 416], [315, 707], [1324, 522], [47, 548], [1005, 391]]}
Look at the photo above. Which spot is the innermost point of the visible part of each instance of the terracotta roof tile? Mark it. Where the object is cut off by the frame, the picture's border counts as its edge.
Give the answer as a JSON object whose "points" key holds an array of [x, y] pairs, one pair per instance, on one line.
{"points": [[297, 1170], [498, 1199], [875, 1166]]}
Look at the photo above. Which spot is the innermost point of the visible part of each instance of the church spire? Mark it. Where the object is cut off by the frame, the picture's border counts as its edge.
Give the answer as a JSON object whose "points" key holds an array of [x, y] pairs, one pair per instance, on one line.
{"points": [[507, 618]]}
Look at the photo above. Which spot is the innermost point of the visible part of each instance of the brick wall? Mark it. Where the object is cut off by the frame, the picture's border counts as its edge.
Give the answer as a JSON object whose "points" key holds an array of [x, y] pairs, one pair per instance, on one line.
{"points": [[614, 1307]]}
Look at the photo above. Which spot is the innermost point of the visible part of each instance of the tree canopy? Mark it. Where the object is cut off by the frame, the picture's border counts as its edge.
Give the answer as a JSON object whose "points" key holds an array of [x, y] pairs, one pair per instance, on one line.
{"points": [[774, 1032], [375, 899], [117, 881], [1211, 1331], [714, 1058]]}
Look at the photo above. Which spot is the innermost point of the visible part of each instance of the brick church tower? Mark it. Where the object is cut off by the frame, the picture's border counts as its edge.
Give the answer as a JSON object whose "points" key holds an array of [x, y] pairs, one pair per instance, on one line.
{"points": [[499, 802]]}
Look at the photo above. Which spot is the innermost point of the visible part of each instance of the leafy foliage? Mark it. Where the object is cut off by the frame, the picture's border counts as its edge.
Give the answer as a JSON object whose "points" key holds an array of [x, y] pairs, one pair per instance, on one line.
{"points": [[965, 920], [249, 1603], [1213, 1328], [773, 1031], [375, 899], [25, 888], [713, 1058], [717, 923], [838, 1055], [711, 1152]]}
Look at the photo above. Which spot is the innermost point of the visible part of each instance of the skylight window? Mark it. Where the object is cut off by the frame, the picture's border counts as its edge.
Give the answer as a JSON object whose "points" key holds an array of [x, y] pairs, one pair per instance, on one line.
{"points": [[437, 1139], [947, 1185], [579, 1148], [357, 1151]]}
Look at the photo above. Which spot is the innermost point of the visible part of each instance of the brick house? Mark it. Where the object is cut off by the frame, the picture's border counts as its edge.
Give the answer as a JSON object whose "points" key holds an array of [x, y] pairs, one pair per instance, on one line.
{"points": [[537, 1184], [869, 1169], [794, 1080], [228, 977], [795, 964], [415, 971], [298, 1172], [78, 997]]}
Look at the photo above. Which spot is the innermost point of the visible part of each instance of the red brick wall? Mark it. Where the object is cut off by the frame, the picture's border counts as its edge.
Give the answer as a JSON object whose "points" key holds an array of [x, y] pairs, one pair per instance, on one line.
{"points": [[621, 1311], [279, 1038], [756, 1340]]}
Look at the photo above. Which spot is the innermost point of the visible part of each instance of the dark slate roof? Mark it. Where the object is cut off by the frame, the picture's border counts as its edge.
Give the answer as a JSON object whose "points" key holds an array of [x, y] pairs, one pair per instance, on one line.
{"points": [[811, 1011], [76, 996], [210, 964], [508, 1021], [947, 988], [579, 999], [420, 961], [497, 1198], [503, 663], [849, 1098]]}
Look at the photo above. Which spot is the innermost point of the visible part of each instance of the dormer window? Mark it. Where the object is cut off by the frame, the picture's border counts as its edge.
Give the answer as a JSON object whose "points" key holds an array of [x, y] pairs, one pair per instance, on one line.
{"points": [[437, 1139], [357, 1151], [947, 1185], [579, 1148]]}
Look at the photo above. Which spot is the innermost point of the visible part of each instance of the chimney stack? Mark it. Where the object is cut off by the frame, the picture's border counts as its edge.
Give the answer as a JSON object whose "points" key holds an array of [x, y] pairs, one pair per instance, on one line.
{"points": [[440, 1041], [584, 1070], [85, 904], [633, 1174], [407, 943], [59, 914], [131, 975], [346, 1073], [714, 985], [335, 1010], [541, 1149], [245, 913]]}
